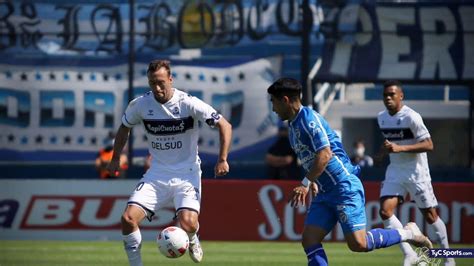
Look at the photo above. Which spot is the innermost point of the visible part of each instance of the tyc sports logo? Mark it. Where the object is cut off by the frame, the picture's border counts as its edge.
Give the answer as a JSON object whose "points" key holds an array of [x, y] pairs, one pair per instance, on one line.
{"points": [[451, 253]]}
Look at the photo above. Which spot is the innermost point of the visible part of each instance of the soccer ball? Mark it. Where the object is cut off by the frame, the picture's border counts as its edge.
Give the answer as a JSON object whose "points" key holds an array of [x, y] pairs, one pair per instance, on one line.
{"points": [[173, 242]]}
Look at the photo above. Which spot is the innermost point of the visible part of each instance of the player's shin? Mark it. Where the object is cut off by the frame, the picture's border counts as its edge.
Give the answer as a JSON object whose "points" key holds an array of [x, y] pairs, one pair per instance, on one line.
{"points": [[132, 245], [442, 237], [316, 255], [193, 237], [382, 238], [440, 230]]}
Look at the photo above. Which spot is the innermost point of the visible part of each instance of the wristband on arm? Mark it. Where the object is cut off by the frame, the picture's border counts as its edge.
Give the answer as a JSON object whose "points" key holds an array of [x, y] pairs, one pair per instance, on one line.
{"points": [[305, 182]]}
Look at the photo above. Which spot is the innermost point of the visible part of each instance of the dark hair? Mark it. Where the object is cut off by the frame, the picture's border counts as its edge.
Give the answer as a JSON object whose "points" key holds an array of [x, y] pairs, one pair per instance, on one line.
{"points": [[392, 82], [157, 64], [286, 87]]}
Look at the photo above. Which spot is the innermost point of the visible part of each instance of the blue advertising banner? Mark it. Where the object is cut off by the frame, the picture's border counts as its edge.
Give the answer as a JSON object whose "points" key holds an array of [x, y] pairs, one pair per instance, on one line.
{"points": [[63, 112], [406, 41]]}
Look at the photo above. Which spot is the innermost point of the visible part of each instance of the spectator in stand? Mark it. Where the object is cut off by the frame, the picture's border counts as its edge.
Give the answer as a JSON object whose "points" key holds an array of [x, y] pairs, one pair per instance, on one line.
{"points": [[281, 159], [105, 156], [358, 155]]}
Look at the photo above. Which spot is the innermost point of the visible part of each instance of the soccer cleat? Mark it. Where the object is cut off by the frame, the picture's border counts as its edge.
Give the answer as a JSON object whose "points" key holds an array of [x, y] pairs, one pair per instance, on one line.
{"points": [[419, 240], [195, 251]]}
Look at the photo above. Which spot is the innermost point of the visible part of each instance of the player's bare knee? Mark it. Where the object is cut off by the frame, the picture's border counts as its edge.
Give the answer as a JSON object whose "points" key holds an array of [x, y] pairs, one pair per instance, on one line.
{"points": [[385, 213], [128, 220], [308, 241], [430, 215], [189, 223], [357, 246]]}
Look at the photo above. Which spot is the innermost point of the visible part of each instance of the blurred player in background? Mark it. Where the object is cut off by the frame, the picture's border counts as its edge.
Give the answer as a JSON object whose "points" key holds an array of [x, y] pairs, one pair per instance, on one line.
{"points": [[340, 195], [170, 118], [407, 140]]}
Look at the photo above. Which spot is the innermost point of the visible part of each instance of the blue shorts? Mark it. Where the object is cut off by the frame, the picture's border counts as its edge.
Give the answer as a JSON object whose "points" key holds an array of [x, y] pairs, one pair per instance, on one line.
{"points": [[345, 203]]}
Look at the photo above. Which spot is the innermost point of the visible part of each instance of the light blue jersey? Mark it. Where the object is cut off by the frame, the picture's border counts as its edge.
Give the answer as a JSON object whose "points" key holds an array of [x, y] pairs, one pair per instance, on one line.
{"points": [[310, 133], [341, 195]]}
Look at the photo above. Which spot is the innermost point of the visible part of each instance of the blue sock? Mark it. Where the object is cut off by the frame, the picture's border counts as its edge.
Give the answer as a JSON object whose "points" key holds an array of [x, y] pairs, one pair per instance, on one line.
{"points": [[382, 238], [316, 255]]}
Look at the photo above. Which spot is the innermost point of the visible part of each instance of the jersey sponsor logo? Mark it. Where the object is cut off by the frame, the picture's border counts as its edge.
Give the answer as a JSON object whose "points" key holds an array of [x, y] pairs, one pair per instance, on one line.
{"points": [[163, 146], [397, 133], [168, 126]]}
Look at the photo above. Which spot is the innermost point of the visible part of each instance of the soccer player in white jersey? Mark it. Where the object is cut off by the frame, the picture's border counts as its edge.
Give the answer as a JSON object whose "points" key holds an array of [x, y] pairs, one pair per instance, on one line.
{"points": [[406, 141], [170, 118]]}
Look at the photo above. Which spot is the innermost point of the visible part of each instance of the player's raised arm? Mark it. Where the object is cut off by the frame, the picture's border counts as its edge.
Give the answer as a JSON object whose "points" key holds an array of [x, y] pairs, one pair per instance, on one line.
{"points": [[119, 143], [225, 136]]}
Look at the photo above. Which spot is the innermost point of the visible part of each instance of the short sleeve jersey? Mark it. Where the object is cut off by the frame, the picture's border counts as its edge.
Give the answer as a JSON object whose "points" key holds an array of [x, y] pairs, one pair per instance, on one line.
{"points": [[310, 133], [171, 129], [405, 128]]}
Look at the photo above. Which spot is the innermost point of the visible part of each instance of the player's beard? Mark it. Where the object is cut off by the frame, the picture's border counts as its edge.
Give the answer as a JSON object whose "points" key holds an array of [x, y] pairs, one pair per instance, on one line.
{"points": [[161, 97]]}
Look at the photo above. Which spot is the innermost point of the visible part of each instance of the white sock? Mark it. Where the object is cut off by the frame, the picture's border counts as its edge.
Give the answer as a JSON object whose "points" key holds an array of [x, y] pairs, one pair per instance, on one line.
{"points": [[394, 223], [440, 230], [132, 244]]}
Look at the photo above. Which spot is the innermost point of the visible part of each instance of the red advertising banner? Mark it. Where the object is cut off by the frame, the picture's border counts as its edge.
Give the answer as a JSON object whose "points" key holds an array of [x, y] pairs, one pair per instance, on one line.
{"points": [[231, 210], [258, 210]]}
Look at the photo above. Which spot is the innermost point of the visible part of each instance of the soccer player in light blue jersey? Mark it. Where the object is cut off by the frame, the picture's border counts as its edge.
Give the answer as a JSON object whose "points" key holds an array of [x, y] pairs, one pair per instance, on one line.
{"points": [[339, 192]]}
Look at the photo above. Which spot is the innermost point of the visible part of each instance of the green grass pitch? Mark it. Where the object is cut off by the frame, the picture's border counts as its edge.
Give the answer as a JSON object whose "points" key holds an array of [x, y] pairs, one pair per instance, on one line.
{"points": [[90, 253]]}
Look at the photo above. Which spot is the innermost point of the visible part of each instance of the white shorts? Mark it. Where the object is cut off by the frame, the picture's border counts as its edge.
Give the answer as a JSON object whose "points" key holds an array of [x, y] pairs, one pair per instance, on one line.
{"points": [[421, 192], [151, 195]]}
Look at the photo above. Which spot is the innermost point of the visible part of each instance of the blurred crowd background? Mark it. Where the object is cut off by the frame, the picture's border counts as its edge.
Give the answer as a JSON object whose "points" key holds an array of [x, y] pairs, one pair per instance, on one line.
{"points": [[68, 70]]}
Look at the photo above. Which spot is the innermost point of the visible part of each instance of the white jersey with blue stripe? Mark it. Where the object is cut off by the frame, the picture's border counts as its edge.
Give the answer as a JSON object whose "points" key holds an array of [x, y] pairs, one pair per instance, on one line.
{"points": [[309, 133]]}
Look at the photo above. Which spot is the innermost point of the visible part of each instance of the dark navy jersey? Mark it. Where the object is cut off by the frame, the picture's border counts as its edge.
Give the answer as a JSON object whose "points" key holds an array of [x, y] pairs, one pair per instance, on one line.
{"points": [[309, 133]]}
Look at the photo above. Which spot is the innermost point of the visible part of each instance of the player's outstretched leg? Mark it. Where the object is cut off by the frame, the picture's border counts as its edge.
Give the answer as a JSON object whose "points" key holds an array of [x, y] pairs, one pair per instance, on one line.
{"points": [[382, 238]]}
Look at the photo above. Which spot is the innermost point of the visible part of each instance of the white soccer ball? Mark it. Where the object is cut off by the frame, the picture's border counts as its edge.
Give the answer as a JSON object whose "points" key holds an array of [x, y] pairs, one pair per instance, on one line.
{"points": [[173, 242]]}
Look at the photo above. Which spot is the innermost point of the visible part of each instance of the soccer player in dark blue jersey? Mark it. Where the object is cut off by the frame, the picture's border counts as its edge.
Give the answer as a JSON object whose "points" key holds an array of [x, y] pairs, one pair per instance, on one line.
{"points": [[339, 192]]}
